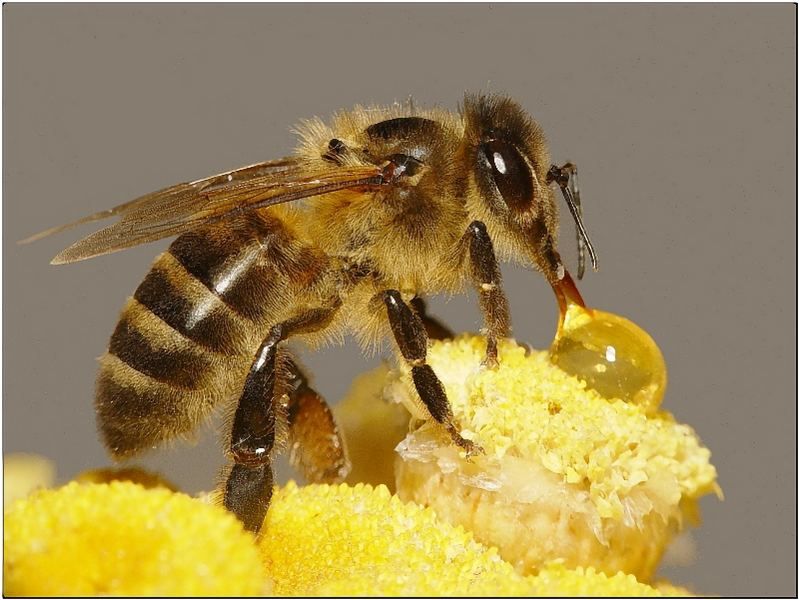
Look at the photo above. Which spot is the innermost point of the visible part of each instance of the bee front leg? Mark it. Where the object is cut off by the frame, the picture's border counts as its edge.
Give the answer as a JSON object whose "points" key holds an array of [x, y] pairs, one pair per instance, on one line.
{"points": [[409, 332], [248, 489], [487, 280], [317, 446]]}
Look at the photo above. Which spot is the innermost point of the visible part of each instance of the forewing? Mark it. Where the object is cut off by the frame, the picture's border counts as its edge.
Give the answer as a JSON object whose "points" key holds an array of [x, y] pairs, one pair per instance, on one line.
{"points": [[236, 176], [179, 208]]}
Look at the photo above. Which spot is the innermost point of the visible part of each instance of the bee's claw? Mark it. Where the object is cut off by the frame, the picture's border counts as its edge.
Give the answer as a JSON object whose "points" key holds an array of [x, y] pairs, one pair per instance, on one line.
{"points": [[490, 362], [471, 448]]}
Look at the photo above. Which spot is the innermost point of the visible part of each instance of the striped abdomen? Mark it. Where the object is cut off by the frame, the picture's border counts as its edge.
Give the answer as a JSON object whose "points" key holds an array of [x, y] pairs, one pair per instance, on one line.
{"points": [[185, 341]]}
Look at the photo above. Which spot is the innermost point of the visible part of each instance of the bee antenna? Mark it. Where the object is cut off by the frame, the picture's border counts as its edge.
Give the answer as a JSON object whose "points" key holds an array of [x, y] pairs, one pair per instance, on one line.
{"points": [[566, 178]]}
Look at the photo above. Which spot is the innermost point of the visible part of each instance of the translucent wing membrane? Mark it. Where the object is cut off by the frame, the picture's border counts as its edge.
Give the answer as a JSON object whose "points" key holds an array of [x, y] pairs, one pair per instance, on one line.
{"points": [[223, 179], [179, 208]]}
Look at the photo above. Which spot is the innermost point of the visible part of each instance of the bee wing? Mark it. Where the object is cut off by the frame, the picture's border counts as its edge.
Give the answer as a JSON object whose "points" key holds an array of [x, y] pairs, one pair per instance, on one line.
{"points": [[179, 208], [237, 175]]}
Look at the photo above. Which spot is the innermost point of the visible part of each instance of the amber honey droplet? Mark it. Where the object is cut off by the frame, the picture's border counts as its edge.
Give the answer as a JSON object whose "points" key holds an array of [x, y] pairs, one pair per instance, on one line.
{"points": [[613, 355]]}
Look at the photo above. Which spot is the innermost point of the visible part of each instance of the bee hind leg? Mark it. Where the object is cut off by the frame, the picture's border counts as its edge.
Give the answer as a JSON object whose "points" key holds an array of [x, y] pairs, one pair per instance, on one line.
{"points": [[409, 333], [248, 489], [316, 445]]}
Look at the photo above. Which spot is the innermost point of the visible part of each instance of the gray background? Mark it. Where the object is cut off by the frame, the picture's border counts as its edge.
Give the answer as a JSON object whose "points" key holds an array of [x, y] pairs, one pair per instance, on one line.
{"points": [[681, 118]]}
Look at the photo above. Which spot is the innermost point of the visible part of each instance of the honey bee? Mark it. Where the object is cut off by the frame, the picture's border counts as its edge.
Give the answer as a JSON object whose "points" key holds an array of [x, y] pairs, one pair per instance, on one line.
{"points": [[371, 213]]}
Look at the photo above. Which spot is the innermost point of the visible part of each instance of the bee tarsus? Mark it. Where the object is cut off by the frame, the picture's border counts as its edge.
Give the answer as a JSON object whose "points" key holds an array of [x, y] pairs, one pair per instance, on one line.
{"points": [[248, 492]]}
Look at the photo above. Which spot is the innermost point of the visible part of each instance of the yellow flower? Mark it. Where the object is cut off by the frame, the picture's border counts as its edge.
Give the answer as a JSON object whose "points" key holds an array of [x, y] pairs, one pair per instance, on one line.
{"points": [[24, 473], [342, 540], [557, 580], [360, 540], [122, 539], [372, 428], [119, 538], [133, 474], [568, 474], [576, 495]]}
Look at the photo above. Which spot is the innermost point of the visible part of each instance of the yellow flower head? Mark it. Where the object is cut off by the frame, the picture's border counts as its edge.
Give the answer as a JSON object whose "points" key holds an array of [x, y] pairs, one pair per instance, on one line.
{"points": [[342, 540], [360, 540], [557, 580], [138, 475], [123, 539], [23, 473], [531, 409], [372, 429], [568, 474]]}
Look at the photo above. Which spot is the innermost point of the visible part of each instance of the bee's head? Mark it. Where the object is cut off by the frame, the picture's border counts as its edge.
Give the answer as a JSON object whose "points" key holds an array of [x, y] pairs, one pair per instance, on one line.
{"points": [[509, 162]]}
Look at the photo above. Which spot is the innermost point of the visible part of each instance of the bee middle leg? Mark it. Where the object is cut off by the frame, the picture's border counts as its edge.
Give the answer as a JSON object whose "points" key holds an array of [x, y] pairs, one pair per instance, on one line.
{"points": [[409, 333], [487, 280], [248, 489]]}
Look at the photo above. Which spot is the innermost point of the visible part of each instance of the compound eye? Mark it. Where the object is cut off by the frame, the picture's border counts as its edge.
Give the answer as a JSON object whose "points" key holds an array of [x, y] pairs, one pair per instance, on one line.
{"points": [[511, 174]]}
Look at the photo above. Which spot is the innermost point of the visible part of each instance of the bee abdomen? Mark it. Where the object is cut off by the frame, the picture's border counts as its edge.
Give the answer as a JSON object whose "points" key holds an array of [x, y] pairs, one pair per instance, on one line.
{"points": [[186, 339], [137, 412], [155, 384], [247, 264], [170, 359], [176, 352], [194, 314]]}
